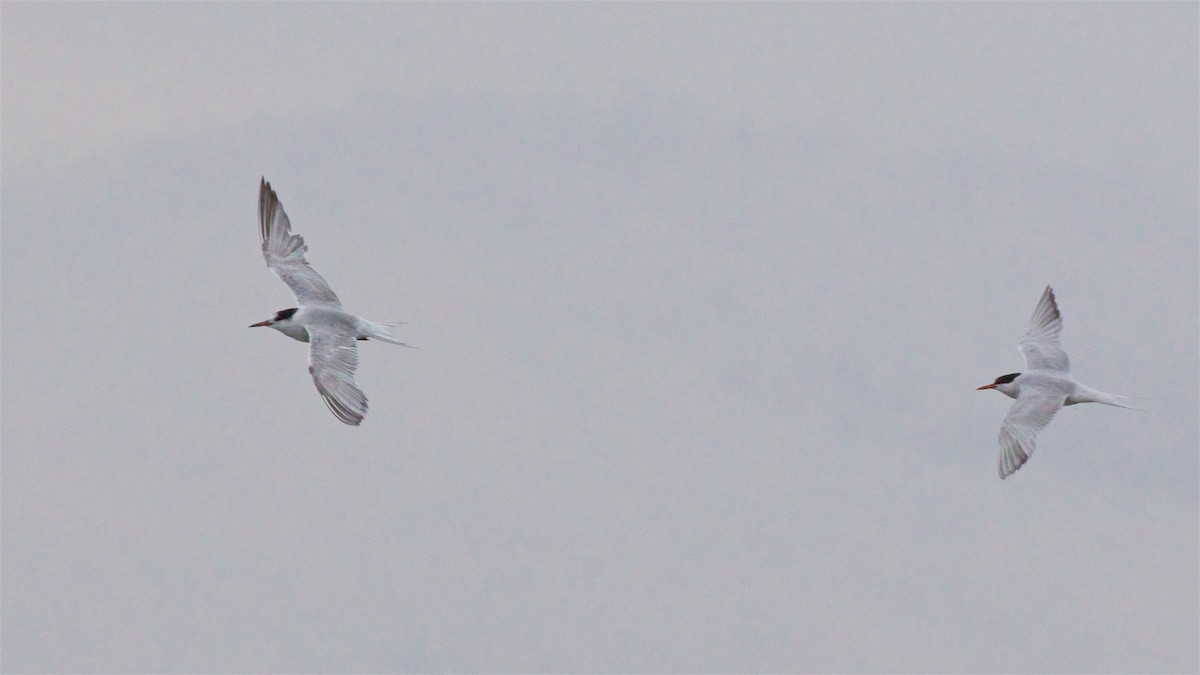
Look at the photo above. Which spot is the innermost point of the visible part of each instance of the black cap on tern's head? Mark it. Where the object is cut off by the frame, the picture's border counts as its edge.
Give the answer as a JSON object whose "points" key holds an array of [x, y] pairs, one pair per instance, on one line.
{"points": [[1003, 379], [281, 315]]}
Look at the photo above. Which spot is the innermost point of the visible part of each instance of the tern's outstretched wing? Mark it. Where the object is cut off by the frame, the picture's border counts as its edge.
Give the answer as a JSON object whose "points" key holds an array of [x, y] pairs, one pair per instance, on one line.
{"points": [[1029, 414], [1040, 344], [284, 252], [332, 358]]}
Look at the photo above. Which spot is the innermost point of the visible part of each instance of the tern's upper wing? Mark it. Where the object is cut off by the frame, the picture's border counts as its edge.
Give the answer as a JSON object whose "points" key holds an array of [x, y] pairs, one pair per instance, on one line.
{"points": [[1040, 344], [1029, 414], [332, 358], [284, 252]]}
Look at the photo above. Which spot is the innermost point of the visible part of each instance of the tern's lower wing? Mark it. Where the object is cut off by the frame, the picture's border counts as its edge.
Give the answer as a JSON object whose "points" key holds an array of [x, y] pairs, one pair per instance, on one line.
{"points": [[1030, 413], [332, 359]]}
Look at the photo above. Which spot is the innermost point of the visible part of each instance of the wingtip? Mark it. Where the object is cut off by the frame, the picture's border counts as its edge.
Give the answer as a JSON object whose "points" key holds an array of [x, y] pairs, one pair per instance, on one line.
{"points": [[1015, 464], [344, 414], [1049, 293], [1046, 310]]}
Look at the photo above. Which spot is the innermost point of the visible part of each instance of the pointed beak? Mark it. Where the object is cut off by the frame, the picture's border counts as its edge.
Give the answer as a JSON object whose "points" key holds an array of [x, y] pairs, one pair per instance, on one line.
{"points": [[268, 322], [986, 386]]}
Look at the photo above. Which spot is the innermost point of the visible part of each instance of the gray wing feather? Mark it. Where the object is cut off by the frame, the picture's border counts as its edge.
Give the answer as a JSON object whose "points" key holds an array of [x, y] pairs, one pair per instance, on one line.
{"points": [[1029, 414], [332, 359], [284, 252], [1040, 344]]}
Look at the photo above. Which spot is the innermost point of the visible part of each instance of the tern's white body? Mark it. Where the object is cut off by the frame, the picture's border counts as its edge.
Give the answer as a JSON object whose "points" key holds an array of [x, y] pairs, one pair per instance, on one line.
{"points": [[1040, 391], [319, 320], [295, 327], [1039, 382]]}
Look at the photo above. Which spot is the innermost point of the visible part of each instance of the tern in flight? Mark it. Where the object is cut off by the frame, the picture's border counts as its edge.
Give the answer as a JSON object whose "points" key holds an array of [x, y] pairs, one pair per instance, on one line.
{"points": [[319, 320], [1040, 391]]}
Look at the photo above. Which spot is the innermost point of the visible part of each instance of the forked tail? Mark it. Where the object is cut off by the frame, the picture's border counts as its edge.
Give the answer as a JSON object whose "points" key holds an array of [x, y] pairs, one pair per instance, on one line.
{"points": [[1085, 394], [1121, 401], [383, 332]]}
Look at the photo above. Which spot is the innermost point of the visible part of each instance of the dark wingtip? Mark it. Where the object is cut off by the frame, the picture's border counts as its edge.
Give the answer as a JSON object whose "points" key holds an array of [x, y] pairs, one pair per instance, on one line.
{"points": [[266, 210]]}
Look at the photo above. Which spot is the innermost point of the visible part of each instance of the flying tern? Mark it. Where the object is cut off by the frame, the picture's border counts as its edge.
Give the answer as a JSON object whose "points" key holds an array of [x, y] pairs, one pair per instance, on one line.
{"points": [[1040, 391], [319, 320]]}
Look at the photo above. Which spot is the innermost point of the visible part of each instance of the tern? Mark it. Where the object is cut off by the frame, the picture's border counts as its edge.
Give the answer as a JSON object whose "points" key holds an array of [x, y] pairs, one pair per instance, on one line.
{"points": [[1044, 388], [332, 333]]}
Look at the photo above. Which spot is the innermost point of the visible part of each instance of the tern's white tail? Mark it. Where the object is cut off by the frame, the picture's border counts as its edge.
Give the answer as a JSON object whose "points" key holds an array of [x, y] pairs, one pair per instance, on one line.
{"points": [[383, 332], [1121, 401], [1089, 395]]}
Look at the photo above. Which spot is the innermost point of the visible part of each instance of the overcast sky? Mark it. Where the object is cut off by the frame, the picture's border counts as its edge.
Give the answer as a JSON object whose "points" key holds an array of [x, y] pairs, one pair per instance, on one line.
{"points": [[702, 293]]}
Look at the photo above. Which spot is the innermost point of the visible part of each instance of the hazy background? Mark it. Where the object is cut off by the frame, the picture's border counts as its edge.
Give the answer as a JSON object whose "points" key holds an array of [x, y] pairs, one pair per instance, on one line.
{"points": [[702, 294]]}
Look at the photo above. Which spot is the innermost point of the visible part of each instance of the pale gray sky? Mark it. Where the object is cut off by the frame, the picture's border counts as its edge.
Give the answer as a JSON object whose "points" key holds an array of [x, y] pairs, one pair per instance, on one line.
{"points": [[702, 291]]}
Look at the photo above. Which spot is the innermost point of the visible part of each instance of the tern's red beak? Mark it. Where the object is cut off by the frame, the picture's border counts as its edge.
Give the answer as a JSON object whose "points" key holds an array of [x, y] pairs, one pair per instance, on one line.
{"points": [[268, 322], [986, 386]]}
